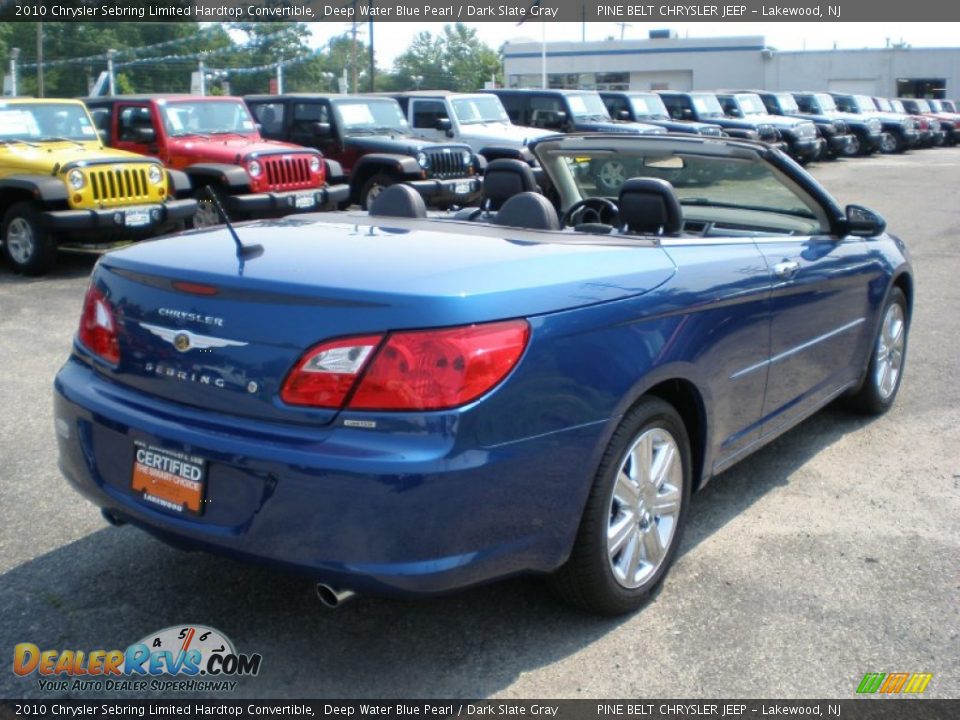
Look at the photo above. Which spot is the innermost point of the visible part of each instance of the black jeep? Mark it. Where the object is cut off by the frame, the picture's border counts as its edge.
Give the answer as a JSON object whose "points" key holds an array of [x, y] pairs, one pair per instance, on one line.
{"points": [[371, 140]]}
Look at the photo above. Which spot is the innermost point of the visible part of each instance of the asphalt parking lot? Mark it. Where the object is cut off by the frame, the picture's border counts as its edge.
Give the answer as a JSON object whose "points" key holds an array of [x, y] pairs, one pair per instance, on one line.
{"points": [[831, 553]]}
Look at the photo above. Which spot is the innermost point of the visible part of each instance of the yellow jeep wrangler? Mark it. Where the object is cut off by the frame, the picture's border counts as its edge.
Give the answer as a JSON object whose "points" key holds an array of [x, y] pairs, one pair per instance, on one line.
{"points": [[58, 183]]}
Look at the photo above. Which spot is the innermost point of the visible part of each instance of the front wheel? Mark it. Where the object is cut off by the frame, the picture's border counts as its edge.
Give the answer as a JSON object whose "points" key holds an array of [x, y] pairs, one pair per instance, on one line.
{"points": [[885, 369], [373, 187], [634, 517], [207, 215], [27, 245]]}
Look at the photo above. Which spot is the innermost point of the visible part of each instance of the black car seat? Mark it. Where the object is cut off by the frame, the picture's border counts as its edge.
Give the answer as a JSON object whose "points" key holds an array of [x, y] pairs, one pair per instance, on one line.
{"points": [[528, 210], [649, 206], [399, 201]]}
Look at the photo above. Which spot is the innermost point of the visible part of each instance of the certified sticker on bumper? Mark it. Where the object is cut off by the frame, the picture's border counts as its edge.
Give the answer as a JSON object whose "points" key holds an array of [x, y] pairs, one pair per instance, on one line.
{"points": [[168, 479], [137, 218], [305, 201]]}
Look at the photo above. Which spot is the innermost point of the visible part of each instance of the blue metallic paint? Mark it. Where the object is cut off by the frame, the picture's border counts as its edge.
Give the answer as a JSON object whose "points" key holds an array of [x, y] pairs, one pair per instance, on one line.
{"points": [[429, 502]]}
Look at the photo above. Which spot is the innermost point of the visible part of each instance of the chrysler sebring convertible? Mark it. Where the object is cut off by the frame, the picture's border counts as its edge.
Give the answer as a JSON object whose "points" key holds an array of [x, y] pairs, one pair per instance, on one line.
{"points": [[401, 403]]}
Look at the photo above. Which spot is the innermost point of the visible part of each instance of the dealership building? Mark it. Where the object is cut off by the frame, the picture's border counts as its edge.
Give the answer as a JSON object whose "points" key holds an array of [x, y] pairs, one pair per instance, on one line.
{"points": [[667, 62]]}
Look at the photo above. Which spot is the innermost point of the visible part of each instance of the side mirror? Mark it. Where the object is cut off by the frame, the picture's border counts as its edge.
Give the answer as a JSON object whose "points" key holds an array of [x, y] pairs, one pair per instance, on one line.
{"points": [[321, 129], [863, 222], [443, 124], [143, 135], [734, 112], [623, 115]]}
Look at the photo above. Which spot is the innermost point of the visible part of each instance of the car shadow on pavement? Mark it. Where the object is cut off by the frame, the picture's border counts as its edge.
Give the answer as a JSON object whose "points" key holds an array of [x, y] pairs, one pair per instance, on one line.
{"points": [[115, 586], [70, 264]]}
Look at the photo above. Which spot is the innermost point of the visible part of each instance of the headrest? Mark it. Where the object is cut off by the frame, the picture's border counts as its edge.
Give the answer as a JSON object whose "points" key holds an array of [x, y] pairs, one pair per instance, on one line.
{"points": [[528, 210], [649, 206], [400, 201], [504, 179]]}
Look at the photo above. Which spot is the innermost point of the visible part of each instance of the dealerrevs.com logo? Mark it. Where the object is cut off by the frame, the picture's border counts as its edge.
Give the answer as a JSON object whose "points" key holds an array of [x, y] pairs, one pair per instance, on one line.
{"points": [[185, 658]]}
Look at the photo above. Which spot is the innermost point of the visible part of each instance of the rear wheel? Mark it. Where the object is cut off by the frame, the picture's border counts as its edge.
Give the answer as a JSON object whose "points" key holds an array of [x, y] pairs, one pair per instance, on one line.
{"points": [[885, 369], [634, 517], [853, 147], [27, 245]]}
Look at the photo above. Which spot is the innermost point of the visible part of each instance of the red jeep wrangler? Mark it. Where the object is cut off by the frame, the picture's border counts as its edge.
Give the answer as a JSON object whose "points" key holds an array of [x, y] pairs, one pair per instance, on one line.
{"points": [[215, 141]]}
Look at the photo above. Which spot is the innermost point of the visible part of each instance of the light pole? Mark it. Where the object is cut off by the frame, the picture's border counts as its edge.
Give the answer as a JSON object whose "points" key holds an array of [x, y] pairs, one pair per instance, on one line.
{"points": [[110, 79], [14, 55], [417, 79]]}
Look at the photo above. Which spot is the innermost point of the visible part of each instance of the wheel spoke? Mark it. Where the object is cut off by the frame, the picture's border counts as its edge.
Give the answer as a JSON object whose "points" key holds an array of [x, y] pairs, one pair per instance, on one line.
{"points": [[668, 502], [631, 557], [641, 460], [652, 545], [662, 465], [619, 533], [626, 492]]}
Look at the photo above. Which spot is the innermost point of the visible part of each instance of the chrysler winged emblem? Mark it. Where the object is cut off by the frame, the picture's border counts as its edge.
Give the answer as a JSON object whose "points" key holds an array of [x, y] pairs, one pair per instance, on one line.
{"points": [[184, 340]]}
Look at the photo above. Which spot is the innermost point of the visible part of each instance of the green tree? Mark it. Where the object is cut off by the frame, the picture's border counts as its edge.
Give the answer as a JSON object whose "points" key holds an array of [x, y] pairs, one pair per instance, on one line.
{"points": [[454, 60]]}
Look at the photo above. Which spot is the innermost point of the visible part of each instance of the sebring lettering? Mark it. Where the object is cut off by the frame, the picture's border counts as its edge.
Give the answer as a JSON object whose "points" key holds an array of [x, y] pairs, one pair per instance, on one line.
{"points": [[169, 372]]}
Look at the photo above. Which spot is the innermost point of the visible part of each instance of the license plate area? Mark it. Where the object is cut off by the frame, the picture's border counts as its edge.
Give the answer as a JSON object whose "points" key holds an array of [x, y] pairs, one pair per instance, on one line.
{"points": [[462, 188], [168, 479], [137, 217], [304, 200]]}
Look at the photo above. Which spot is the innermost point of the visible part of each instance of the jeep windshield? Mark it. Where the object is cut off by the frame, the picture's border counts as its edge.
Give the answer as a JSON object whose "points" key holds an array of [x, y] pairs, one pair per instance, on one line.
{"points": [[588, 107], [826, 102], [649, 107], [477, 110], [860, 104], [751, 105], [788, 104], [707, 105], [206, 117], [45, 122], [369, 117]]}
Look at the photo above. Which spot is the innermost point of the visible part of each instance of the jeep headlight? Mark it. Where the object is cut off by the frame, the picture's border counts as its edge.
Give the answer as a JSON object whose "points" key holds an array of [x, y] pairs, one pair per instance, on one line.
{"points": [[76, 179], [314, 164], [155, 174], [466, 156], [422, 160], [254, 168]]}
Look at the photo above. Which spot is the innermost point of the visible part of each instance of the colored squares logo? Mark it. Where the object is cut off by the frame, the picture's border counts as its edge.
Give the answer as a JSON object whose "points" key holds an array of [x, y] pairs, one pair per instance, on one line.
{"points": [[894, 683]]}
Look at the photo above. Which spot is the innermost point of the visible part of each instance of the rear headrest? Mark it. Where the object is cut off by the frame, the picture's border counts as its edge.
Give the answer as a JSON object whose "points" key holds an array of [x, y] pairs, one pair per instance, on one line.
{"points": [[649, 206], [528, 210], [400, 201], [504, 179]]}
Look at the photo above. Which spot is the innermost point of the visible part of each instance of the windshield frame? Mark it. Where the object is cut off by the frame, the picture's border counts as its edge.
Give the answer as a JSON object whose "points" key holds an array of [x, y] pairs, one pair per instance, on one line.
{"points": [[336, 104], [590, 114], [164, 105], [81, 117], [456, 103], [661, 113]]}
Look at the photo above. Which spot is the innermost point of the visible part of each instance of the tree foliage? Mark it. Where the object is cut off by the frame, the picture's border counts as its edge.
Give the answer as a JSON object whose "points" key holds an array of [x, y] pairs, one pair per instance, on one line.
{"points": [[454, 59]]}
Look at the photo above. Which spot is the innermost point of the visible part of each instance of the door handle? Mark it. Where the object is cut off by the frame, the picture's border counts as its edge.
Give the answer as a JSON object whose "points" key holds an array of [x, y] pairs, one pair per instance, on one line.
{"points": [[786, 269]]}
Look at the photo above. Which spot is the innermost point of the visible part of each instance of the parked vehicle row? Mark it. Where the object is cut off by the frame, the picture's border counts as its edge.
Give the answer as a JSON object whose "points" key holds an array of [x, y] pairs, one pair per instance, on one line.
{"points": [[267, 156]]}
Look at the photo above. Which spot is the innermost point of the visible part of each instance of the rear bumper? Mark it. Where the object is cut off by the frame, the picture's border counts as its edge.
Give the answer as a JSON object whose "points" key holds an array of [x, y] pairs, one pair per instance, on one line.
{"points": [[287, 202], [112, 222], [458, 191], [418, 512]]}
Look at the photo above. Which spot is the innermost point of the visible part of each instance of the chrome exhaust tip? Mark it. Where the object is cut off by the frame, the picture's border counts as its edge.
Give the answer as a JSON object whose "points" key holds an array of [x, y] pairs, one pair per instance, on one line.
{"points": [[332, 597]]}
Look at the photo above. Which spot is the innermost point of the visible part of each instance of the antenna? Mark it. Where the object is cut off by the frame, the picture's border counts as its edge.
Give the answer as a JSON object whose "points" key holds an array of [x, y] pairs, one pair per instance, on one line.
{"points": [[243, 251]]}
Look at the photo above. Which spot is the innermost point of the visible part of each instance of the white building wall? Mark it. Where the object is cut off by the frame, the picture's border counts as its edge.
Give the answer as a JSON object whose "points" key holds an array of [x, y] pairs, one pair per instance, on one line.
{"points": [[736, 62]]}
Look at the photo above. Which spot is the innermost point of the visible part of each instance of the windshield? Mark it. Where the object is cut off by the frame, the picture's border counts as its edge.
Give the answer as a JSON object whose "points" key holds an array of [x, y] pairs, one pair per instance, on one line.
{"points": [[922, 105], [935, 105], [863, 103], [897, 106], [751, 105], [948, 106], [206, 117], [650, 107], [588, 106], [707, 106], [45, 122], [826, 102], [787, 103], [883, 104], [475, 110], [711, 187], [369, 116]]}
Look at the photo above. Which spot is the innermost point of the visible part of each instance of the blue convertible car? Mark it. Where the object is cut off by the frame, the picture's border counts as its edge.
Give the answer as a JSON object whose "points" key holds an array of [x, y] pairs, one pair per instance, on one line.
{"points": [[398, 403]]}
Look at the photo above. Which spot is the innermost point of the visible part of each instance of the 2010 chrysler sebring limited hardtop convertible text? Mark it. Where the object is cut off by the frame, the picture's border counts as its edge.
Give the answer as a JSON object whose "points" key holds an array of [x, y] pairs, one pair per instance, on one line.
{"points": [[397, 403]]}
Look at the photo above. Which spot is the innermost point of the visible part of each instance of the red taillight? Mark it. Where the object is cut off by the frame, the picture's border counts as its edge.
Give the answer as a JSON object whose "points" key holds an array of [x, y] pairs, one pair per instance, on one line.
{"points": [[436, 369], [98, 327], [325, 374], [416, 370], [193, 288]]}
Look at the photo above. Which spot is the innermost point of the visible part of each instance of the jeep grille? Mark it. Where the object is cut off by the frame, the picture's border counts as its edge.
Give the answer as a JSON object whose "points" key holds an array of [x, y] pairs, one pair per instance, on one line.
{"points": [[446, 162], [284, 173], [119, 184]]}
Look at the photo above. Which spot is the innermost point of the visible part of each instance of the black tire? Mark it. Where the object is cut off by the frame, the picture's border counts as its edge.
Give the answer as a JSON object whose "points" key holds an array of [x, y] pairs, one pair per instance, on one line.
{"points": [[375, 184], [852, 149], [207, 215], [872, 397], [587, 579], [27, 245]]}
